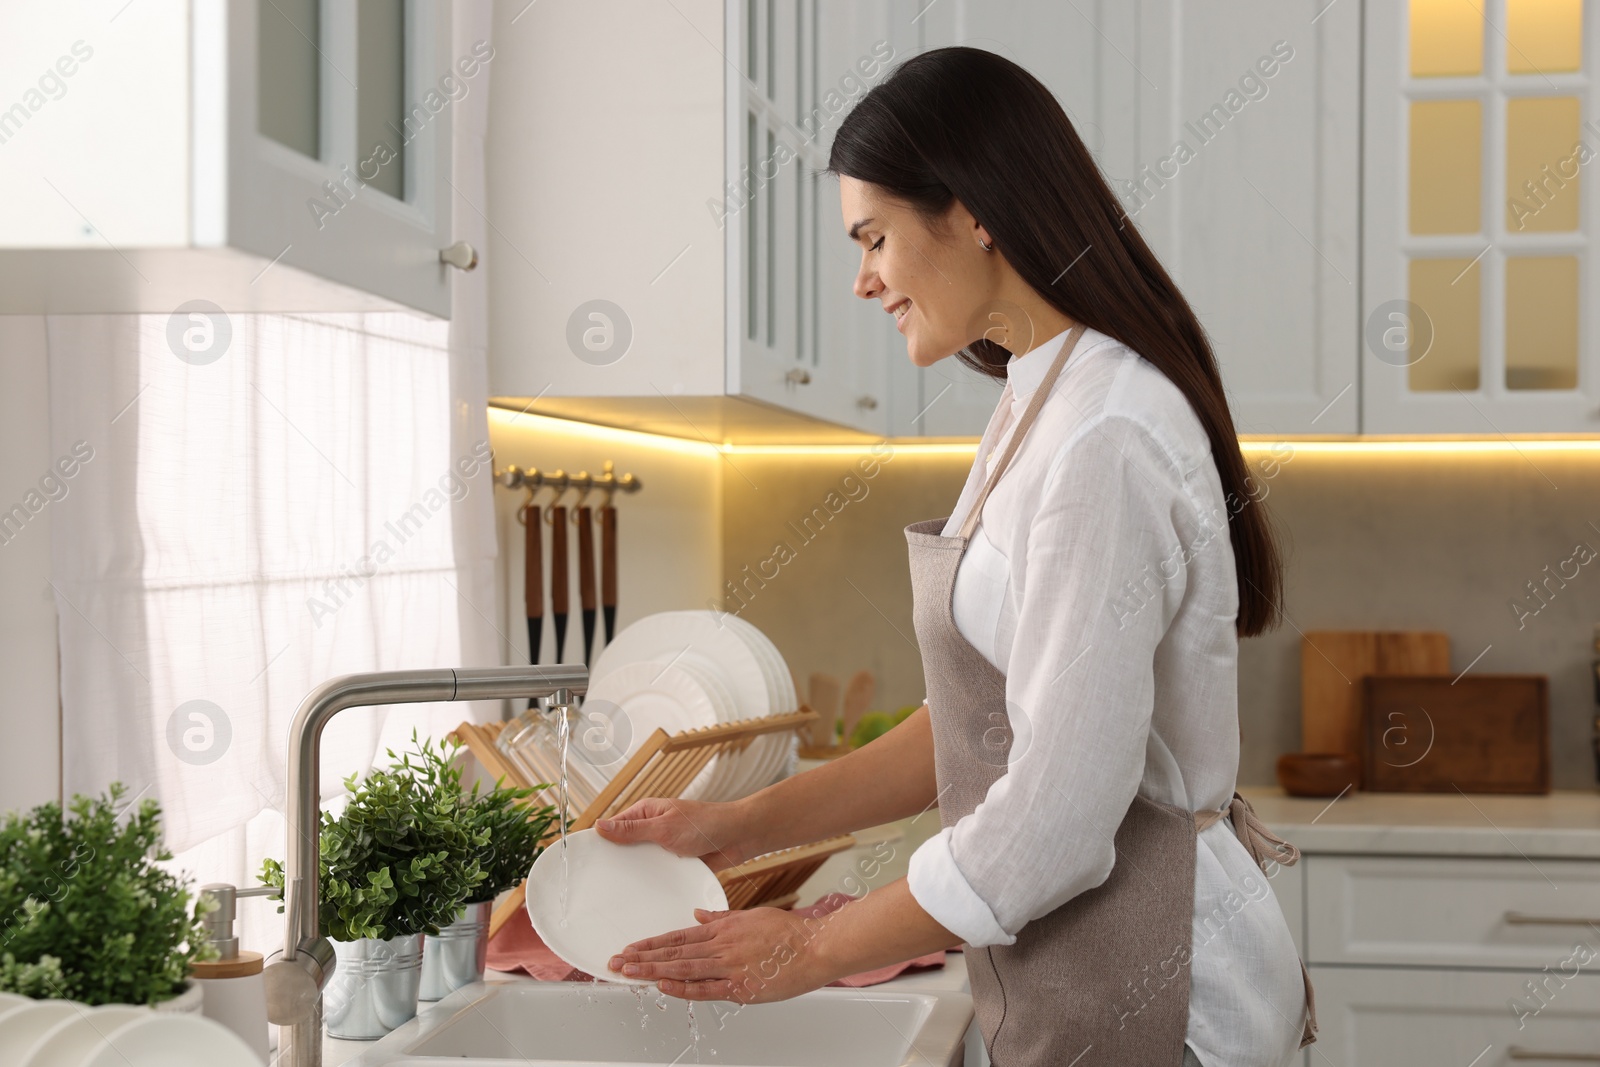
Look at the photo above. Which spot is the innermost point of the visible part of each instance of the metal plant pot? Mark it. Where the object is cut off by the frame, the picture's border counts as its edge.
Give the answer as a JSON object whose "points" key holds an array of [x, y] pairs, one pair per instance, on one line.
{"points": [[374, 986], [456, 955]]}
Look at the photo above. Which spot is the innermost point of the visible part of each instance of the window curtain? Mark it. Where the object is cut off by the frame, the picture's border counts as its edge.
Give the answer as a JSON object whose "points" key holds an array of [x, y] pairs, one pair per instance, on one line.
{"points": [[314, 501]]}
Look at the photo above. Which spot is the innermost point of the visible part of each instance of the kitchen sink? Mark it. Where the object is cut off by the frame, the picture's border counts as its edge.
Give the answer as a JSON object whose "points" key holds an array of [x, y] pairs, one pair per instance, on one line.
{"points": [[524, 1023]]}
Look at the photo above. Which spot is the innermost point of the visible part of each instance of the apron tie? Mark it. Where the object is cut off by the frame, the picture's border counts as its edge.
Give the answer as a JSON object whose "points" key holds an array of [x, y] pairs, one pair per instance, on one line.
{"points": [[1262, 844]]}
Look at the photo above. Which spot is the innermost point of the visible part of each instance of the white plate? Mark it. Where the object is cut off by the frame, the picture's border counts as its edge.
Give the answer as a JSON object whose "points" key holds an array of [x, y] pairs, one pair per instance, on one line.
{"points": [[670, 636], [21, 1026], [765, 752], [788, 758], [69, 1042], [649, 696], [166, 1039], [722, 769], [615, 895], [11, 1000], [780, 750]]}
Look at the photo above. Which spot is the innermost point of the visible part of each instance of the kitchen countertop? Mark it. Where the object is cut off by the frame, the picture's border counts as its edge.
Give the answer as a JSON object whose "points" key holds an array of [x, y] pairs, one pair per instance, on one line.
{"points": [[1564, 824]]}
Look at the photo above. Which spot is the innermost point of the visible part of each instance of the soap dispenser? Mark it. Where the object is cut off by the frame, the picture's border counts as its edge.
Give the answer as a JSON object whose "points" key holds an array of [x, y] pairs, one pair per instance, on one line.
{"points": [[235, 991]]}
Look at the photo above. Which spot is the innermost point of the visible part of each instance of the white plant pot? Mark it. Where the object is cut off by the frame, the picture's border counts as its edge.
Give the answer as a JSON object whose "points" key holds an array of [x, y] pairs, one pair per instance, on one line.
{"points": [[189, 1002]]}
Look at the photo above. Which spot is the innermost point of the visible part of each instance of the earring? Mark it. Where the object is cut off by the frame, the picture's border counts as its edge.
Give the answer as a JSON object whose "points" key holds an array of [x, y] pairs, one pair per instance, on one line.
{"points": [[988, 246]]}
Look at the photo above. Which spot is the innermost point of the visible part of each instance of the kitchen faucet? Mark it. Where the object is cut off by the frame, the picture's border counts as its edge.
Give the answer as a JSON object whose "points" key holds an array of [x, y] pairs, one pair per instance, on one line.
{"points": [[296, 975]]}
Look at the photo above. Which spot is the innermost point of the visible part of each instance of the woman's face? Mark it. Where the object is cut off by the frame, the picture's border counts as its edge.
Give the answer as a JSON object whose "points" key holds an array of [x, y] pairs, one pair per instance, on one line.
{"points": [[937, 284]]}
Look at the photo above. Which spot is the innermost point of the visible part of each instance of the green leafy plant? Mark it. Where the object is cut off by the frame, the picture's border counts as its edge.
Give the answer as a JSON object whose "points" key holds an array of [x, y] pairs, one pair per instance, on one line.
{"points": [[411, 847], [86, 913], [515, 829]]}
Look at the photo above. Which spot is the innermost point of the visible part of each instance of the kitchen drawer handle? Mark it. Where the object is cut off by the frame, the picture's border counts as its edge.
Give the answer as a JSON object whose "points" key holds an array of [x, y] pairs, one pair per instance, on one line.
{"points": [[1518, 1053], [1517, 918]]}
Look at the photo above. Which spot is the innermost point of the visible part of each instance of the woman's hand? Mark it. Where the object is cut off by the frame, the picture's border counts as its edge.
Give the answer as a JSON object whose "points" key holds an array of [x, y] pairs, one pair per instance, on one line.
{"points": [[750, 957], [718, 833], [765, 954]]}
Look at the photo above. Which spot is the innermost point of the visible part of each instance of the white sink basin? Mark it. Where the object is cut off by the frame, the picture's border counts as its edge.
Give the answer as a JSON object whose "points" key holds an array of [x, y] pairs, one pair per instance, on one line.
{"points": [[528, 1024]]}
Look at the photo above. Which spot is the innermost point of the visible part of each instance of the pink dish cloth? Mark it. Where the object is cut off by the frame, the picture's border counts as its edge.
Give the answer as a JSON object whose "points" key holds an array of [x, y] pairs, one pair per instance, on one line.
{"points": [[518, 949]]}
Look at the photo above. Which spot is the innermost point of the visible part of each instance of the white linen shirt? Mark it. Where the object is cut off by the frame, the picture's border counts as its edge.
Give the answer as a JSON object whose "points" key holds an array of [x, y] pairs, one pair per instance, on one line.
{"points": [[1100, 581]]}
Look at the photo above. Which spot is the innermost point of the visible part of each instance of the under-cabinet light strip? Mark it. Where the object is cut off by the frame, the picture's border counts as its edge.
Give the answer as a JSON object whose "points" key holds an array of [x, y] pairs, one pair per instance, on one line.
{"points": [[1444, 446], [1354, 447]]}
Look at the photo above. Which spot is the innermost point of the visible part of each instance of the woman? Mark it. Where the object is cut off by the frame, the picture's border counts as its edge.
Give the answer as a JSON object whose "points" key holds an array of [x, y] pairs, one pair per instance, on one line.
{"points": [[1078, 617]]}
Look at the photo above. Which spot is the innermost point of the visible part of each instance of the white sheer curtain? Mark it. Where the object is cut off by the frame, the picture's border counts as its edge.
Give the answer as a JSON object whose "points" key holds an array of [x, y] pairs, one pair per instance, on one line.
{"points": [[314, 502]]}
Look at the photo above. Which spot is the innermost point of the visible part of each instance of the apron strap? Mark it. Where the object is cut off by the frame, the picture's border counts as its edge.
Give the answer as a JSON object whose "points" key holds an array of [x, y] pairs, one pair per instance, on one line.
{"points": [[1262, 844], [1029, 413]]}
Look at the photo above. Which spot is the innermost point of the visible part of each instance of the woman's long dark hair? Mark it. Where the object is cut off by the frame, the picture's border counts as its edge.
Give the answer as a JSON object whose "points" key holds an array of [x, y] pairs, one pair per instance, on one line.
{"points": [[965, 124]]}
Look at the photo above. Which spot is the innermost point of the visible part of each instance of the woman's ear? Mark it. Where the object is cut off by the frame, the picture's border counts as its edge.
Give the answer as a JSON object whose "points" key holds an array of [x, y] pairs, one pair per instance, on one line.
{"points": [[958, 225]]}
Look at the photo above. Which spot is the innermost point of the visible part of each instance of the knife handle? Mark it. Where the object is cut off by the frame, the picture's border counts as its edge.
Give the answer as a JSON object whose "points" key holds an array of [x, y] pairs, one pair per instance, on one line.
{"points": [[533, 565], [559, 586], [608, 556], [585, 520]]}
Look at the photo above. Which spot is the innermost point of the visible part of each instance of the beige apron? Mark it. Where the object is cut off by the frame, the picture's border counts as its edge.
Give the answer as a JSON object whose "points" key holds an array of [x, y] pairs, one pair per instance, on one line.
{"points": [[1103, 979]]}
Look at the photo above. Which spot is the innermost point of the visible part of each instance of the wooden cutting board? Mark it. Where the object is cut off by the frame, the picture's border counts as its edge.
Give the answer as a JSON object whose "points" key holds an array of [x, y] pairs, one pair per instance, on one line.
{"points": [[1332, 665], [1433, 734]]}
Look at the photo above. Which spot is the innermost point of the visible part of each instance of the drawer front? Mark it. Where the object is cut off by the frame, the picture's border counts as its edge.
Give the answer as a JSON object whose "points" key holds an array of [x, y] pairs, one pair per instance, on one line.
{"points": [[1449, 912], [1376, 1017]]}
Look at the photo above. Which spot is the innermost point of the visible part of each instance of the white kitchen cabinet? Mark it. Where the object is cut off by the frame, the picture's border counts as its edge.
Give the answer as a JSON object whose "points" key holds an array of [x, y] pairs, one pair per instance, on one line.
{"points": [[1478, 219], [254, 154], [1389, 1017], [1255, 217], [1441, 959], [1455, 912], [1246, 186], [669, 256], [804, 340]]}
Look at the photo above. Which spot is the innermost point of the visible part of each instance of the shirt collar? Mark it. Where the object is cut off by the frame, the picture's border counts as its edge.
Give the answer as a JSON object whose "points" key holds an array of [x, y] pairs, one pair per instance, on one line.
{"points": [[1026, 374]]}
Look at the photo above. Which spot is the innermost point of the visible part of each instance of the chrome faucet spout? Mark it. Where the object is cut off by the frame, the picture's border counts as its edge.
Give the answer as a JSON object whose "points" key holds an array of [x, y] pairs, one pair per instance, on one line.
{"points": [[296, 975]]}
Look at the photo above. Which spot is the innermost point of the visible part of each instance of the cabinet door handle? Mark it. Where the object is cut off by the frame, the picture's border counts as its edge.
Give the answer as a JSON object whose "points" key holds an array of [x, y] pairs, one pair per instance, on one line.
{"points": [[1518, 1053], [460, 255], [867, 403], [1517, 918], [798, 376]]}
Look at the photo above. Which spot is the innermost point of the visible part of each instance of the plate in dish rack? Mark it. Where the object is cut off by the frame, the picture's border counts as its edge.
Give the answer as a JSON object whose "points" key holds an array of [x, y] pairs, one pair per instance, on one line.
{"points": [[637, 699], [615, 895], [669, 635], [779, 749]]}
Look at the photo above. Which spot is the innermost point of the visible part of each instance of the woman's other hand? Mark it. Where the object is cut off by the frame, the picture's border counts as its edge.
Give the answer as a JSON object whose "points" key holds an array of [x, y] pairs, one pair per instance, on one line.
{"points": [[717, 833]]}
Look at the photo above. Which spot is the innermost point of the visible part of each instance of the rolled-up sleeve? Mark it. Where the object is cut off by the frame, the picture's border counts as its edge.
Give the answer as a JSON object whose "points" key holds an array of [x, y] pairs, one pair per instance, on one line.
{"points": [[1103, 577]]}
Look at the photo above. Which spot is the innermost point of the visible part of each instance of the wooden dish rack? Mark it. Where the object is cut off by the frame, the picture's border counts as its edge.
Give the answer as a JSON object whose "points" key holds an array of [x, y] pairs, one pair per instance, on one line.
{"points": [[662, 767]]}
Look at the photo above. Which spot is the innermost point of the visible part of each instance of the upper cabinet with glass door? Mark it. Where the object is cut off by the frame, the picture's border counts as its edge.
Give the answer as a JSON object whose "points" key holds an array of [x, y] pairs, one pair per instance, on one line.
{"points": [[798, 337], [257, 155], [1480, 218]]}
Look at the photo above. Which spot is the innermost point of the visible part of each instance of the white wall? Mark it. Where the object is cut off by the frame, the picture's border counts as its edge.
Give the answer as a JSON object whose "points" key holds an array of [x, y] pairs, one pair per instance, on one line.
{"points": [[30, 706], [669, 540]]}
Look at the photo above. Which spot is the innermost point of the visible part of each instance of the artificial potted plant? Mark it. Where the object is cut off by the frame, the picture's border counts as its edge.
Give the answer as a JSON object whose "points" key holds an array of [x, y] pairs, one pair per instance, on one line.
{"points": [[396, 864], [86, 912], [512, 829]]}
